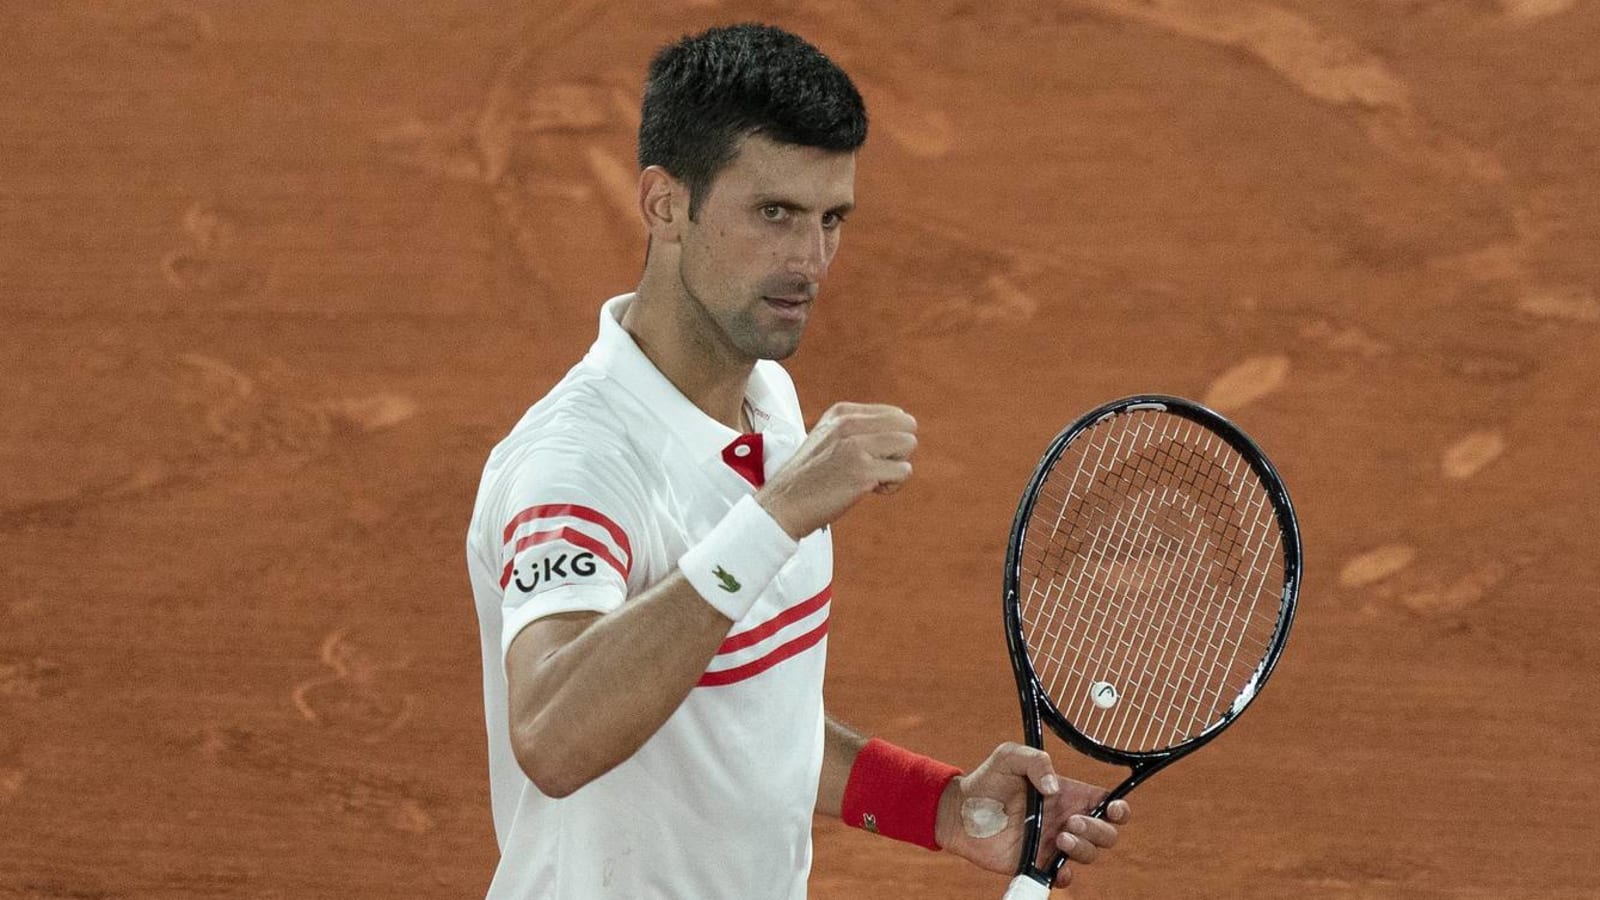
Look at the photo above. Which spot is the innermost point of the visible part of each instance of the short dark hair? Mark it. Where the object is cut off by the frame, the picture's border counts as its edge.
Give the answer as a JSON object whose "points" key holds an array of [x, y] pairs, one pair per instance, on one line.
{"points": [[707, 92]]}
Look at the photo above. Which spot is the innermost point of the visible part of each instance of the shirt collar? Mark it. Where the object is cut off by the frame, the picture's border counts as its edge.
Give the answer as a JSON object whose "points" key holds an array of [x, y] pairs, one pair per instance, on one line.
{"points": [[615, 354]]}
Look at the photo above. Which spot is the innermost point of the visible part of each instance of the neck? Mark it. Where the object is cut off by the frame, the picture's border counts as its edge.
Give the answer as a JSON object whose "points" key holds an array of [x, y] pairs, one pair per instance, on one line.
{"points": [[687, 347]]}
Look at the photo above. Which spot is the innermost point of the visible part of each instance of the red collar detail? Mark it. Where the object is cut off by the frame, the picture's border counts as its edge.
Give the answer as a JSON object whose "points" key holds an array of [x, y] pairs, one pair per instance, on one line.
{"points": [[747, 457]]}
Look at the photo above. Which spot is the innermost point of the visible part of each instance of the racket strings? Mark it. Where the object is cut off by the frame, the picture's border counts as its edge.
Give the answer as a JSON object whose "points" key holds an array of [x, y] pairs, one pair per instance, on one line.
{"points": [[1166, 617], [1181, 670], [1138, 648], [1149, 549]]}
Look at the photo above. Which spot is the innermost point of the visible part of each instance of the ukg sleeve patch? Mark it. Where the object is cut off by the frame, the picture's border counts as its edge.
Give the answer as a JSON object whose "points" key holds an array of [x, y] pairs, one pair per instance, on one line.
{"points": [[549, 546]]}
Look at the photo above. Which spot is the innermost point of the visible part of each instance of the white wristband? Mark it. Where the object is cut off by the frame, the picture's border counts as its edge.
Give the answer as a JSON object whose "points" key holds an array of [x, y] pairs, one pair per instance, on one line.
{"points": [[732, 565]]}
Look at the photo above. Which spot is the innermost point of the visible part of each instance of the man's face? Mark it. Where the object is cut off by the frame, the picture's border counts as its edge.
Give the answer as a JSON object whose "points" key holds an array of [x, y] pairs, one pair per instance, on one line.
{"points": [[762, 241]]}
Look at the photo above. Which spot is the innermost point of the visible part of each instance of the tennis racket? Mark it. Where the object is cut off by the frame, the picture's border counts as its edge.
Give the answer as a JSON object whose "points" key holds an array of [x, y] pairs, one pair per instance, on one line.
{"points": [[1149, 587]]}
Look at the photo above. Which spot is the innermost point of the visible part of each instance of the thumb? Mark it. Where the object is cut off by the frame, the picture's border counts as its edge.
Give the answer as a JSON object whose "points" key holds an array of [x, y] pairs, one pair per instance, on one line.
{"points": [[1030, 763]]}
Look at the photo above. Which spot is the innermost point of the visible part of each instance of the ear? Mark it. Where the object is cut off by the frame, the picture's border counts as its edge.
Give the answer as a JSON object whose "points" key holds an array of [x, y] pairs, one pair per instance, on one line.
{"points": [[664, 204]]}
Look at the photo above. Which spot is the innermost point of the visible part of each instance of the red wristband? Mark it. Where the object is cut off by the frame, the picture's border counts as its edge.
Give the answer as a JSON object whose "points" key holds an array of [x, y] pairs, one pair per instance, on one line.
{"points": [[895, 793]]}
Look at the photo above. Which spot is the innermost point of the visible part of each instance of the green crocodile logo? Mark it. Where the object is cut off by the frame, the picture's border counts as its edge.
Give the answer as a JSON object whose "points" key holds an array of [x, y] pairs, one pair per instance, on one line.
{"points": [[729, 583]]}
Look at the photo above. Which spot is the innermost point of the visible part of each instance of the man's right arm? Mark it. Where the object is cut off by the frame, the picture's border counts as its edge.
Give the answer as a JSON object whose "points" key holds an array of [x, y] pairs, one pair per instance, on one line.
{"points": [[588, 689]]}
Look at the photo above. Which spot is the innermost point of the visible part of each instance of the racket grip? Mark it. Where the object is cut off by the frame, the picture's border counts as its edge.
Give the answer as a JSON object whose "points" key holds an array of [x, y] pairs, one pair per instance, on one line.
{"points": [[1023, 887]]}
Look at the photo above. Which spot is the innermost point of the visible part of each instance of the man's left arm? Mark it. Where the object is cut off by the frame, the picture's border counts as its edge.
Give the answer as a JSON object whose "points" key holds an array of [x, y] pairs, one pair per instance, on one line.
{"points": [[840, 746], [877, 786]]}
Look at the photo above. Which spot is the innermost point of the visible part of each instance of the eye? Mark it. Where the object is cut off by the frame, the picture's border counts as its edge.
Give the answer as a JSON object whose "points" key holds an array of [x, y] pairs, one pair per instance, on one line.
{"points": [[832, 220], [772, 212]]}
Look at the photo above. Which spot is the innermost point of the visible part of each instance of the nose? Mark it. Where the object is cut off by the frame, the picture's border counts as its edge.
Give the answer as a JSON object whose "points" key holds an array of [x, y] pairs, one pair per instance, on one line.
{"points": [[812, 251]]}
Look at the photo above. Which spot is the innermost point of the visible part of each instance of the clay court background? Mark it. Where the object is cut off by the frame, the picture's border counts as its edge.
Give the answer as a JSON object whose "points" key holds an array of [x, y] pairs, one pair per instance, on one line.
{"points": [[274, 277]]}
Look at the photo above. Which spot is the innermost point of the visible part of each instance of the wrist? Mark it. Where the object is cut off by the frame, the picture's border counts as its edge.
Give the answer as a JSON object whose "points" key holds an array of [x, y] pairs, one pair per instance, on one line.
{"points": [[735, 562], [772, 501], [947, 822], [898, 794]]}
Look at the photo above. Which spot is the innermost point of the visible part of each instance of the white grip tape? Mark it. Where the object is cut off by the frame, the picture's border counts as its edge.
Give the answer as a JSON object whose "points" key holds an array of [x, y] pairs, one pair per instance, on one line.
{"points": [[1025, 888], [732, 565]]}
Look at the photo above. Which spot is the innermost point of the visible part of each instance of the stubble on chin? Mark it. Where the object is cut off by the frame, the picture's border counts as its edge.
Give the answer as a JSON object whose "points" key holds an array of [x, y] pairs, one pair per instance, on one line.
{"points": [[756, 341], [742, 329]]}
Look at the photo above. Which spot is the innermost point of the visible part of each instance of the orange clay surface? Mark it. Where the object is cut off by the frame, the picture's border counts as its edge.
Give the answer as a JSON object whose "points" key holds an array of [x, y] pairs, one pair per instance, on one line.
{"points": [[275, 276]]}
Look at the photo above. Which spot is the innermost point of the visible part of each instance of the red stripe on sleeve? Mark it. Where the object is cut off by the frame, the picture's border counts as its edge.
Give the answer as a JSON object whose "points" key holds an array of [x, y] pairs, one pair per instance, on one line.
{"points": [[756, 667], [572, 536], [773, 625], [578, 512]]}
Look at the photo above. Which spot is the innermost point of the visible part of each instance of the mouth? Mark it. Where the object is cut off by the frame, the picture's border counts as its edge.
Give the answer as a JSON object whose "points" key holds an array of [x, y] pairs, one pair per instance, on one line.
{"points": [[792, 307]]}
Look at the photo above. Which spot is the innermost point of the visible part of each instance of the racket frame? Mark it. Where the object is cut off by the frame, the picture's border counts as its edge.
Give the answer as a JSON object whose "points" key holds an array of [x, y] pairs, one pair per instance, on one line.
{"points": [[1037, 708]]}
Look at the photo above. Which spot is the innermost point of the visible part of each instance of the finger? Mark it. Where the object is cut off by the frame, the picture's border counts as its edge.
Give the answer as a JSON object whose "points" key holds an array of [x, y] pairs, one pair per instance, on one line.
{"points": [[858, 418], [888, 444], [902, 420], [1096, 832], [1117, 813], [1076, 849], [889, 472], [881, 417], [844, 409]]}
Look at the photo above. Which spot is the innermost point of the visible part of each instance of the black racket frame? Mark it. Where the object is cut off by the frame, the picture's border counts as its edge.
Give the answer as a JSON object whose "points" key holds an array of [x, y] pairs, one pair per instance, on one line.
{"points": [[1038, 710]]}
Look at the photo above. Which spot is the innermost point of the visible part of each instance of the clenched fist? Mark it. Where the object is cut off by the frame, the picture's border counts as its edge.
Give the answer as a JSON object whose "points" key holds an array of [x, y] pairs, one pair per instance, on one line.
{"points": [[854, 448]]}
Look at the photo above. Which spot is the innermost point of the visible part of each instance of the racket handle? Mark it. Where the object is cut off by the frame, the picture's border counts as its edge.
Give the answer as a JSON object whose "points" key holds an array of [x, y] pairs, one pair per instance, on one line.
{"points": [[1023, 887]]}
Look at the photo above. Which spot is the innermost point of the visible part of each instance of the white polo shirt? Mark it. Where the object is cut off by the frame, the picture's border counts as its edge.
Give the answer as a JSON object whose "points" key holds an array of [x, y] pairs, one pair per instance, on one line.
{"points": [[591, 499]]}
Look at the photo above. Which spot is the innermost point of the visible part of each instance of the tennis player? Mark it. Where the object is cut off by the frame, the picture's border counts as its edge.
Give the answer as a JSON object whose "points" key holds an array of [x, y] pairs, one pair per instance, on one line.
{"points": [[650, 551]]}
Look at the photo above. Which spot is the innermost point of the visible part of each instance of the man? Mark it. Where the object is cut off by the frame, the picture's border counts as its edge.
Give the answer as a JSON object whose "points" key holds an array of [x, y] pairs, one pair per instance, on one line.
{"points": [[650, 550]]}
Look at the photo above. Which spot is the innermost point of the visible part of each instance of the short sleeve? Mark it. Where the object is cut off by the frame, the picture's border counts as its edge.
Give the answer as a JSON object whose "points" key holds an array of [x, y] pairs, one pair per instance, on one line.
{"points": [[571, 516]]}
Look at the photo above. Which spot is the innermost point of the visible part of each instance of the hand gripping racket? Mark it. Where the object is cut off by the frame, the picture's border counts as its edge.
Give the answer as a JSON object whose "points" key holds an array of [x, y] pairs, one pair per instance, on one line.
{"points": [[1149, 587]]}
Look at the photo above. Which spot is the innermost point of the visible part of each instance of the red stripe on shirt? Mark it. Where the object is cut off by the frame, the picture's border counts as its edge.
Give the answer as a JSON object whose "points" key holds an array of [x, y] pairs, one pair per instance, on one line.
{"points": [[773, 625], [551, 510], [572, 536], [756, 667]]}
